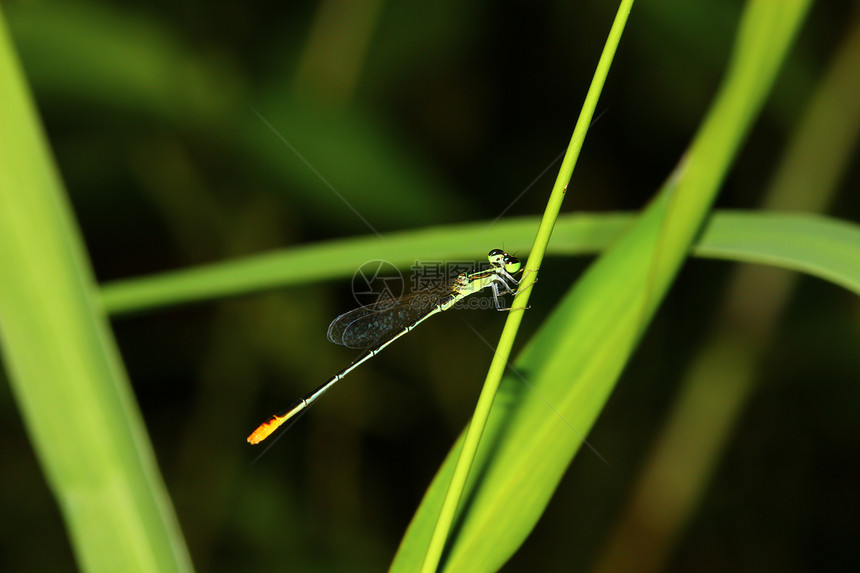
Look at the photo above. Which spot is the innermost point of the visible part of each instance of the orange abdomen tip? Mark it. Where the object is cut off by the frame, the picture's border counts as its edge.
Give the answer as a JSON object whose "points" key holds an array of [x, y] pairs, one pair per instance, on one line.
{"points": [[265, 430]]}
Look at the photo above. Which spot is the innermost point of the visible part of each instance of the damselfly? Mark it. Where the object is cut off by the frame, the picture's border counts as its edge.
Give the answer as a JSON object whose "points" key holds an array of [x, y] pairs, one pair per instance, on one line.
{"points": [[373, 327]]}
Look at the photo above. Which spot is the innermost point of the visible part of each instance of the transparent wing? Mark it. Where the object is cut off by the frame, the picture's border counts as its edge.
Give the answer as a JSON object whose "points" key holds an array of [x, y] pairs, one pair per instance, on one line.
{"points": [[370, 325]]}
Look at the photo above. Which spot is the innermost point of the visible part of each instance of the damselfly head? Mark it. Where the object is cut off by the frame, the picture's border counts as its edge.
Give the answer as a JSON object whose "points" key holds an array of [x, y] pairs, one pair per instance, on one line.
{"points": [[500, 259], [497, 257]]}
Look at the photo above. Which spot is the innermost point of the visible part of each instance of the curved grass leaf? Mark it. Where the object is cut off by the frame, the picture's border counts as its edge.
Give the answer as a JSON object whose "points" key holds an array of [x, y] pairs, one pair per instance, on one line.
{"points": [[575, 359], [828, 249], [724, 375], [820, 246]]}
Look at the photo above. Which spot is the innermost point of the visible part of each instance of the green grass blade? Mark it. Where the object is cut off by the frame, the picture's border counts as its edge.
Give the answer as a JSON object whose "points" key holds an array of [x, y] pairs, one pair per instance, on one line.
{"points": [[747, 236], [578, 354], [338, 259], [63, 364]]}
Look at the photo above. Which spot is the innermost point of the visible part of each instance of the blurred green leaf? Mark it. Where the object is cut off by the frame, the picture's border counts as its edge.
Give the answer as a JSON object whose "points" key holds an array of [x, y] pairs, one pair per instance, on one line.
{"points": [[93, 53], [76, 52], [333, 164], [63, 363]]}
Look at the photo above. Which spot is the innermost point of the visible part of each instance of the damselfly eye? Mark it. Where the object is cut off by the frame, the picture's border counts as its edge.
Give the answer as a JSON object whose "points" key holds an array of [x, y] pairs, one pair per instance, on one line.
{"points": [[512, 264]]}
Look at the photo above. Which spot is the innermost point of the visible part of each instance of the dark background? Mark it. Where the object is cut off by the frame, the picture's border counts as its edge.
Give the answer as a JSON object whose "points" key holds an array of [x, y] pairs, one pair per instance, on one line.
{"points": [[446, 115]]}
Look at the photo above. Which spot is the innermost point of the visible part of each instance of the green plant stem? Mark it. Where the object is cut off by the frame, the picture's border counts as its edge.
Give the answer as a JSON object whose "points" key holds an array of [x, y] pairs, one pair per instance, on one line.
{"points": [[512, 324]]}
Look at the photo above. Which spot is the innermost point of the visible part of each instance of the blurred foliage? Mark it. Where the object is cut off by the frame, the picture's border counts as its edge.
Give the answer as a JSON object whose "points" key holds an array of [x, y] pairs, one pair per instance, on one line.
{"points": [[419, 115], [62, 360]]}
